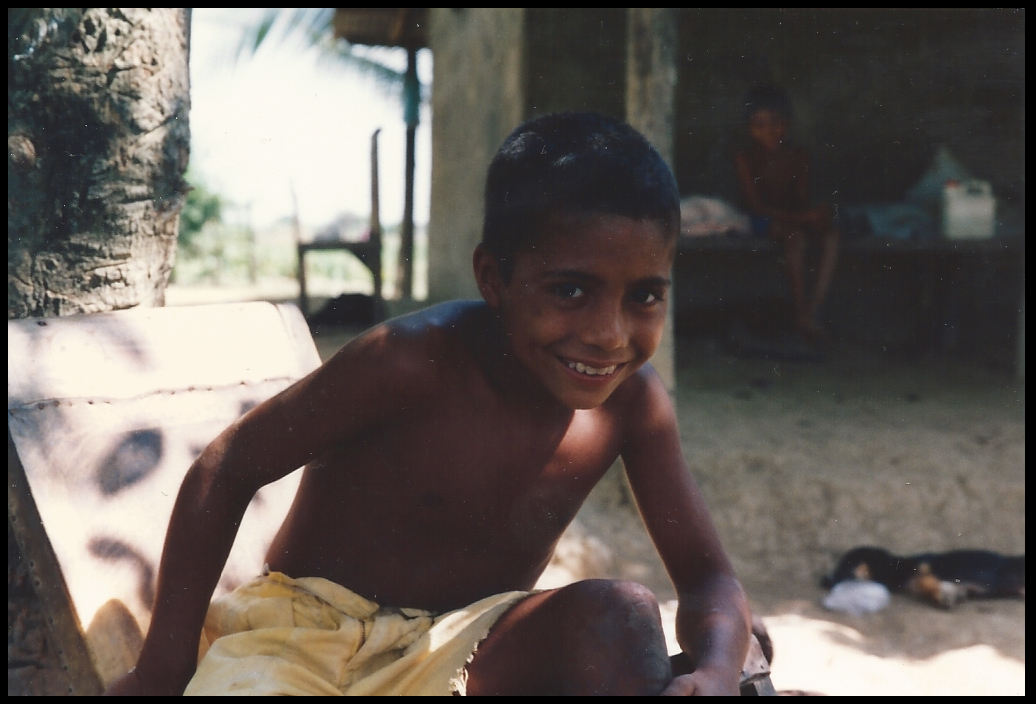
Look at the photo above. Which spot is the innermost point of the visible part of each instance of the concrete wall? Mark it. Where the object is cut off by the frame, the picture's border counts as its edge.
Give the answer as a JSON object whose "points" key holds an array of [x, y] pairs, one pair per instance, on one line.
{"points": [[477, 100], [875, 92], [576, 60]]}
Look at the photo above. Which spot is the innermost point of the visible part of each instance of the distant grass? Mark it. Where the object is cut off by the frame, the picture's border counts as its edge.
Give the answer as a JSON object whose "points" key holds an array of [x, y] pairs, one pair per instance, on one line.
{"points": [[260, 264]]}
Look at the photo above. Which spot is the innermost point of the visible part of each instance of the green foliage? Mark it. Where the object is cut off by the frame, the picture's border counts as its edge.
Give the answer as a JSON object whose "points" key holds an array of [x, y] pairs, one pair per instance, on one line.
{"points": [[202, 206], [218, 254], [315, 25]]}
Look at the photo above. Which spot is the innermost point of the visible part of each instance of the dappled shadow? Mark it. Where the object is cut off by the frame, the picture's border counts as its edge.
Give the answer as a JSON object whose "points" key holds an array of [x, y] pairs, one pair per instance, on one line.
{"points": [[136, 455], [109, 411], [95, 340], [909, 629], [115, 550]]}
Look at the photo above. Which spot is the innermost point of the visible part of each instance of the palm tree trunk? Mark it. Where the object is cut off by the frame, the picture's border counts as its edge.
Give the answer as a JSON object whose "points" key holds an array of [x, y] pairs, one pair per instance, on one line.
{"points": [[98, 142]]}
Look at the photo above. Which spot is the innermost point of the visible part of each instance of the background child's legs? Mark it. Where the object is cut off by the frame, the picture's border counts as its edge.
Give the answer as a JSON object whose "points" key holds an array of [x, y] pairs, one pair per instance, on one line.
{"points": [[829, 239], [793, 240], [592, 637]]}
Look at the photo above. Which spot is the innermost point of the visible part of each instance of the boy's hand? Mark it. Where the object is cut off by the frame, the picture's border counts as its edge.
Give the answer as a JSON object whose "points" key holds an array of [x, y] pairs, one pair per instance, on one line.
{"points": [[701, 683]]}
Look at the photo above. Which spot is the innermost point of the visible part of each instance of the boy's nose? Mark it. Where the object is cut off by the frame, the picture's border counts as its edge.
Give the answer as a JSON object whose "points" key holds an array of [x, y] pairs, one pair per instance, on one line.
{"points": [[606, 329]]}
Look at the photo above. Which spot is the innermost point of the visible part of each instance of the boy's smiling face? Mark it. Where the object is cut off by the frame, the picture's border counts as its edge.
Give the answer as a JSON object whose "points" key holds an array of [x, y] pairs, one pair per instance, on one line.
{"points": [[585, 308]]}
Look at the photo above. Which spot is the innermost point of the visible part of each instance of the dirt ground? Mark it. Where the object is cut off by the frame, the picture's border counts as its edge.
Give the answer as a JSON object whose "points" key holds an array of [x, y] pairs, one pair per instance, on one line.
{"points": [[800, 462]]}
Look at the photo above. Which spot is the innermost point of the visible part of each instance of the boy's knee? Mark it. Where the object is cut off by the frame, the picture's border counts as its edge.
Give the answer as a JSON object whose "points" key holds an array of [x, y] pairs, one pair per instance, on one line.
{"points": [[610, 594], [619, 623], [618, 610]]}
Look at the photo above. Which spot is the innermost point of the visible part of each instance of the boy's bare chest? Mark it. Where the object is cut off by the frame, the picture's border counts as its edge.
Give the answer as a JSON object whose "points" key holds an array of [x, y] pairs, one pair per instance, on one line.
{"points": [[776, 170], [471, 465], [447, 502], [488, 451]]}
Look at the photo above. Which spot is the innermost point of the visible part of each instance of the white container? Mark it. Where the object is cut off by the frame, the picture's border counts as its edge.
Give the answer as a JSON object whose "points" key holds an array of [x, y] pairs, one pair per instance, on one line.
{"points": [[968, 210]]}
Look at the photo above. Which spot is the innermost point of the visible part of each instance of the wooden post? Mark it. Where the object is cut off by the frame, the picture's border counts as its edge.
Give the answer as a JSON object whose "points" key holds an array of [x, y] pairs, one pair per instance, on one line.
{"points": [[300, 251], [375, 223], [411, 110], [651, 109]]}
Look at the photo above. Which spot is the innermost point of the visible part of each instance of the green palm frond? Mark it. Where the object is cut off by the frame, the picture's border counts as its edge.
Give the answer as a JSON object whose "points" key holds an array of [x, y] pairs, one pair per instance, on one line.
{"points": [[339, 51], [315, 25]]}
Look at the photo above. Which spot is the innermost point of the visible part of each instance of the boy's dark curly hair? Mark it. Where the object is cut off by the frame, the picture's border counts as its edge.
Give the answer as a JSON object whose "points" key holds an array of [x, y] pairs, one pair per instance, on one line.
{"points": [[767, 97], [572, 163]]}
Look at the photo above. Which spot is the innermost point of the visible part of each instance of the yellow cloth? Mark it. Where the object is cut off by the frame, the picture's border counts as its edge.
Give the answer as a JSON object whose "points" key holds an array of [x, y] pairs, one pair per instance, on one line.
{"points": [[278, 635]]}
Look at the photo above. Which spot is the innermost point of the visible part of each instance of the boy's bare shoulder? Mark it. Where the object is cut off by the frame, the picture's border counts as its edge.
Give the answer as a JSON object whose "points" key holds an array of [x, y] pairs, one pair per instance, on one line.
{"points": [[440, 330], [450, 318], [413, 349], [642, 403]]}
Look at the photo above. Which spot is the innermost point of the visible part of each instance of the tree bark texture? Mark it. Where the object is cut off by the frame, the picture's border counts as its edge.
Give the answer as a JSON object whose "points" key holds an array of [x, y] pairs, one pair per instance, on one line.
{"points": [[98, 142]]}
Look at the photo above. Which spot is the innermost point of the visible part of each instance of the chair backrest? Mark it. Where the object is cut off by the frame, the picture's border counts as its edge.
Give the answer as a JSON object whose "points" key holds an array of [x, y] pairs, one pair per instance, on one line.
{"points": [[105, 414]]}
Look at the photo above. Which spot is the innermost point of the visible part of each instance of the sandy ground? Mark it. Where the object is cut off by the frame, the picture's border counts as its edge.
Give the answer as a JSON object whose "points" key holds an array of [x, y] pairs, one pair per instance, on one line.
{"points": [[800, 462]]}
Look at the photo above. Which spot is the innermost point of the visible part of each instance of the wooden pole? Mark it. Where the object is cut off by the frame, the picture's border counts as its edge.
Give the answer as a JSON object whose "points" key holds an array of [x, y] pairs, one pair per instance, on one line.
{"points": [[411, 109], [651, 109], [300, 250], [375, 222]]}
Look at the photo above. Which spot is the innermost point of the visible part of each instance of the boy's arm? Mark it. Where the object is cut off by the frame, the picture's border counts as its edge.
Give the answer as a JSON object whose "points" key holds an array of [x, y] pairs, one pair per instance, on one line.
{"points": [[202, 527], [280, 435], [712, 622]]}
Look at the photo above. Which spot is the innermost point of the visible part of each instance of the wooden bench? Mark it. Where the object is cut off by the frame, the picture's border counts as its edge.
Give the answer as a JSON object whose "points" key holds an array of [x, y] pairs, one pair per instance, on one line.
{"points": [[906, 295]]}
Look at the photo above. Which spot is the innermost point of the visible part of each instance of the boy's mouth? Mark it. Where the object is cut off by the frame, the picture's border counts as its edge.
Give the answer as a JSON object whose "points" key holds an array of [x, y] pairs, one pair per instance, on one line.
{"points": [[588, 370]]}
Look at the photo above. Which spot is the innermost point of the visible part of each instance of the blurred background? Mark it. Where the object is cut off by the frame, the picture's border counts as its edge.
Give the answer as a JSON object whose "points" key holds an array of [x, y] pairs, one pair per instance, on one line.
{"points": [[905, 430]]}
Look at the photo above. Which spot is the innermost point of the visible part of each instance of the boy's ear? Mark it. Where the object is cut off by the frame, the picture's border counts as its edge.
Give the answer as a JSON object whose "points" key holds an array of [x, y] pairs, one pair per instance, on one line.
{"points": [[487, 276]]}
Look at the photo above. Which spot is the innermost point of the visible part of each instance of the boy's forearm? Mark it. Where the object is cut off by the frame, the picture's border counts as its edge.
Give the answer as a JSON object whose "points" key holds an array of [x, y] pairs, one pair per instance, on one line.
{"points": [[201, 532], [713, 626]]}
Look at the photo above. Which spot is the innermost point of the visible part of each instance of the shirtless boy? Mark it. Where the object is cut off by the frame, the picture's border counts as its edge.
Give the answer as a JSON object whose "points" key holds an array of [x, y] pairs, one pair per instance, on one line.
{"points": [[446, 451], [774, 180]]}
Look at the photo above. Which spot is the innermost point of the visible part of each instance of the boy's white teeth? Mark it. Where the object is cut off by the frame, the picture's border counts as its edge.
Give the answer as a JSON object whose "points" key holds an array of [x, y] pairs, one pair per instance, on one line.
{"points": [[592, 371]]}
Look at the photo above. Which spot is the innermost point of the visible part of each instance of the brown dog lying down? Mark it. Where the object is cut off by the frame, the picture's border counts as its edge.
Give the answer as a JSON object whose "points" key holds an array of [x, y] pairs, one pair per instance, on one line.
{"points": [[943, 578]]}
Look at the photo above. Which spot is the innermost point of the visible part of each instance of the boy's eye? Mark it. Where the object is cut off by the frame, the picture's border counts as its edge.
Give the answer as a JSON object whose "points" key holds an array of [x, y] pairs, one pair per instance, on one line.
{"points": [[569, 291], [645, 296]]}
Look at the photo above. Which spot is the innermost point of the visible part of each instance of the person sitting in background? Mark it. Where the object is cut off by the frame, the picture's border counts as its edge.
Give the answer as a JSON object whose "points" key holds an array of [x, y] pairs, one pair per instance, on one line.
{"points": [[774, 179]]}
